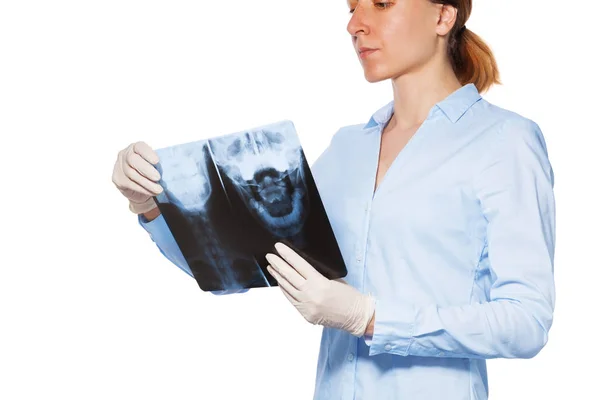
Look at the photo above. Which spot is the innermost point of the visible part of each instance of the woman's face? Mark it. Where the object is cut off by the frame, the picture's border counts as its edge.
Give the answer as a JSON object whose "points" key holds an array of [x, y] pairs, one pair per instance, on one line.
{"points": [[402, 34]]}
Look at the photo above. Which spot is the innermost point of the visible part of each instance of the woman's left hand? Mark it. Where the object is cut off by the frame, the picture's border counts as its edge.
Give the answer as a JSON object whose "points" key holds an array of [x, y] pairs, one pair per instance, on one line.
{"points": [[331, 303]]}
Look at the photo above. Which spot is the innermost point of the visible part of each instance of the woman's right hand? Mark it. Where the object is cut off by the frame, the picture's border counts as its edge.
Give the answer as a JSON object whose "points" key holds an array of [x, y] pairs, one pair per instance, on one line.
{"points": [[135, 176]]}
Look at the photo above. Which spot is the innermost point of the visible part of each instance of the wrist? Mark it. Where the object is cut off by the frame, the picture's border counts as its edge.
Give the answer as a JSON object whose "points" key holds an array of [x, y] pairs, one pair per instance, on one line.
{"points": [[364, 316], [370, 327], [370, 316], [143, 208], [152, 214]]}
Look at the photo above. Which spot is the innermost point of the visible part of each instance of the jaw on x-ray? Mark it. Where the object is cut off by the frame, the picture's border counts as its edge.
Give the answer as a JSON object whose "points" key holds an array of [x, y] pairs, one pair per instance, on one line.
{"points": [[266, 169]]}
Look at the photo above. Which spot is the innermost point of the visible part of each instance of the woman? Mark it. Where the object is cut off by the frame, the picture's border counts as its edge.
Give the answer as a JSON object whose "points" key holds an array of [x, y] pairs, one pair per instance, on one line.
{"points": [[443, 207]]}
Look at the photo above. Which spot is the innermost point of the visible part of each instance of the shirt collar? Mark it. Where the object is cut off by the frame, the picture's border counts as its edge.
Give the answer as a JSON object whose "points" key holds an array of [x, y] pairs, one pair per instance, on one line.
{"points": [[453, 106]]}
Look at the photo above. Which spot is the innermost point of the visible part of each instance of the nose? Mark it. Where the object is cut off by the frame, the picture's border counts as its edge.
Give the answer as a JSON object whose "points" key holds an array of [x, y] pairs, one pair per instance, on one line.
{"points": [[358, 23]]}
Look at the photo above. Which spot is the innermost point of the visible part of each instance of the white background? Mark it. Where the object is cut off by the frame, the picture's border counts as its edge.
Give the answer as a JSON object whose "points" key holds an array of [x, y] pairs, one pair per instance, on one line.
{"points": [[89, 308]]}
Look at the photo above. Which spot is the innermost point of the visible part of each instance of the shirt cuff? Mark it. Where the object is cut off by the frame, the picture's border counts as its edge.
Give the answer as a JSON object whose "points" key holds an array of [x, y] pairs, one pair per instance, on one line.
{"points": [[160, 233], [393, 328], [156, 227]]}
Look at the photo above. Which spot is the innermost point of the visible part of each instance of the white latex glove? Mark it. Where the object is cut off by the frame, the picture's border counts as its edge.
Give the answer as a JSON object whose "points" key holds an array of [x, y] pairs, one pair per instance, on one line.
{"points": [[332, 303], [135, 176]]}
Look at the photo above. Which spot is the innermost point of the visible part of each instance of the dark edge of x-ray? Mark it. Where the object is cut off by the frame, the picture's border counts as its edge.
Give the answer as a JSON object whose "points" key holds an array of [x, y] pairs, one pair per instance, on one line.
{"points": [[325, 269], [227, 200]]}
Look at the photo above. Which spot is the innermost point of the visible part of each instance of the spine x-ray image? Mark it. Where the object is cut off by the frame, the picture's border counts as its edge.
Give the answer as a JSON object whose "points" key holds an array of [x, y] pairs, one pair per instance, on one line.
{"points": [[229, 199]]}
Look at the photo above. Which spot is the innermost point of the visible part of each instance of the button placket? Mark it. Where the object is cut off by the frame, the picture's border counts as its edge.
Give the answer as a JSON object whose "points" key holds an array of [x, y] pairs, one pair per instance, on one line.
{"points": [[361, 247]]}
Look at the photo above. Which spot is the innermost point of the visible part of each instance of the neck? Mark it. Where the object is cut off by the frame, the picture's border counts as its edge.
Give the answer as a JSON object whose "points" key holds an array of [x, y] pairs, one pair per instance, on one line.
{"points": [[416, 91]]}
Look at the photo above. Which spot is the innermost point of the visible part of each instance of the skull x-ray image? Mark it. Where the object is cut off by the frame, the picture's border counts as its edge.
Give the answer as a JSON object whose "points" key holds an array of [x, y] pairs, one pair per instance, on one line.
{"points": [[227, 200]]}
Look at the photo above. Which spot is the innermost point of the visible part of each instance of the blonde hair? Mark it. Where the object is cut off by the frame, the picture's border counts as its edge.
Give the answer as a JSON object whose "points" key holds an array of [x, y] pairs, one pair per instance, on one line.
{"points": [[471, 58]]}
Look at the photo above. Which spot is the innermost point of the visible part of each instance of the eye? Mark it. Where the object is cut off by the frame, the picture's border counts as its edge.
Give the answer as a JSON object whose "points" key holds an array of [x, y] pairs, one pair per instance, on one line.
{"points": [[382, 6]]}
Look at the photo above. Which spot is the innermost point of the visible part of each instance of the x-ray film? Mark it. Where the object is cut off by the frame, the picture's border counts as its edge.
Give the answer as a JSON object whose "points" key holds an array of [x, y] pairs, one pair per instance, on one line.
{"points": [[227, 200]]}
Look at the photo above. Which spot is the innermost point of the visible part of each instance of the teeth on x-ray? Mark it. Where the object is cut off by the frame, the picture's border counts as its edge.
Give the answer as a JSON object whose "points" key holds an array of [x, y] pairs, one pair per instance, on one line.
{"points": [[266, 169], [228, 199]]}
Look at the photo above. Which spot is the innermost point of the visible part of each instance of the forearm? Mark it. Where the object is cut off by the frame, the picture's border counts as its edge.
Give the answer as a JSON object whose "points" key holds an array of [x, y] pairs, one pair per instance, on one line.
{"points": [[495, 329]]}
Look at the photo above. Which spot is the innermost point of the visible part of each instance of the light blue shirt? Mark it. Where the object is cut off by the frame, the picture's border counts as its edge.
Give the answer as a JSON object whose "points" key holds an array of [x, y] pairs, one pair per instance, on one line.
{"points": [[456, 245]]}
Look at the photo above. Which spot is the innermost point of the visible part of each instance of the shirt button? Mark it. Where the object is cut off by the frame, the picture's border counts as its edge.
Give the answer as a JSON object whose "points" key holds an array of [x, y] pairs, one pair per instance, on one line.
{"points": [[358, 258], [350, 357], [388, 347]]}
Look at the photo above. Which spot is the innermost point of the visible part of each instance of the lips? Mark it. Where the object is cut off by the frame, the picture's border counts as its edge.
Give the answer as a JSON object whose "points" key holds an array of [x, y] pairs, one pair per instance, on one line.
{"points": [[365, 51]]}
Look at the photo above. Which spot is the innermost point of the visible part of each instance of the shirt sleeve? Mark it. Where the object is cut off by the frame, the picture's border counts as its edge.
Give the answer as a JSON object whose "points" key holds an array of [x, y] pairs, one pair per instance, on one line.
{"points": [[163, 238], [514, 187]]}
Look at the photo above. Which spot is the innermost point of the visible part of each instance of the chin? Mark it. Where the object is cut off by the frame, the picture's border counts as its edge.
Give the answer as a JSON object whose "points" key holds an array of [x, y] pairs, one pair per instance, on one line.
{"points": [[375, 76]]}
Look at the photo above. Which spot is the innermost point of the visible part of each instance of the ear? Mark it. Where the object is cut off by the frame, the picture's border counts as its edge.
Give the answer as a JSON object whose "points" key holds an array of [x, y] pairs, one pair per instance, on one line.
{"points": [[447, 15]]}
